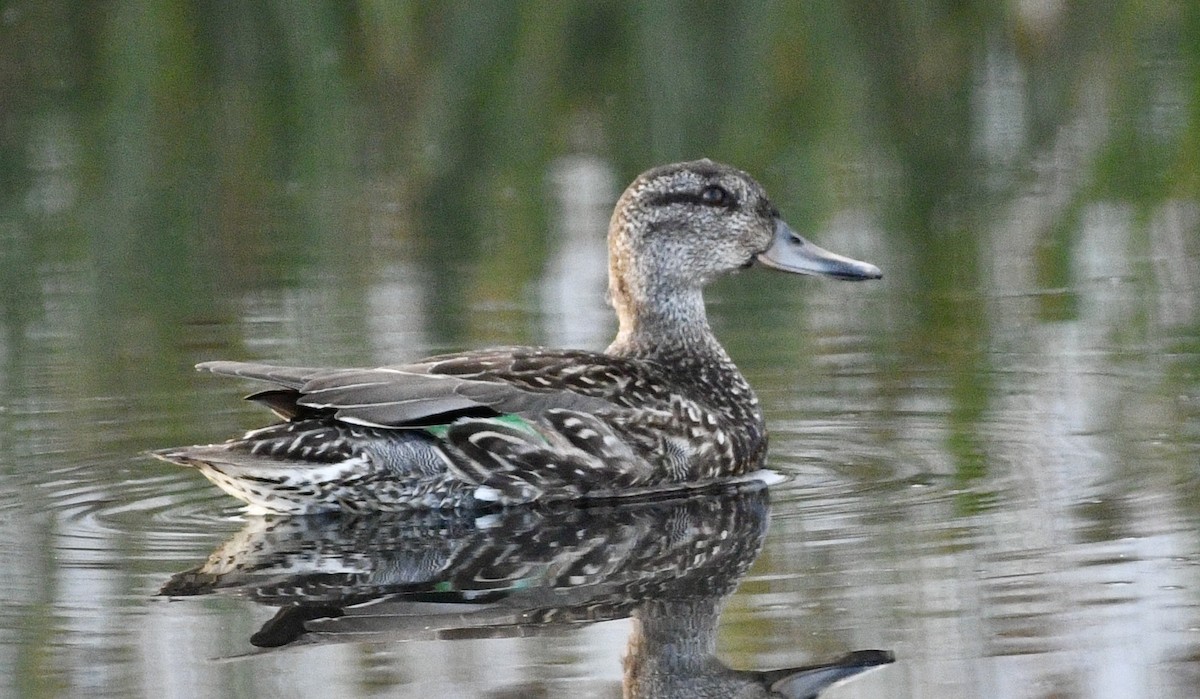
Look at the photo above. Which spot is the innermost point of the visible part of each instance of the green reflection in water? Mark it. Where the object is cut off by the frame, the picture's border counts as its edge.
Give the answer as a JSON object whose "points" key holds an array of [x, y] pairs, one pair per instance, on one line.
{"points": [[184, 181], [175, 156]]}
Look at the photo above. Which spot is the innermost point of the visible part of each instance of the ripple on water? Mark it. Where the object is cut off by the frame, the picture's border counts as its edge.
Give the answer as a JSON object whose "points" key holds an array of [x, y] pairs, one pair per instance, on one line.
{"points": [[836, 457], [150, 515]]}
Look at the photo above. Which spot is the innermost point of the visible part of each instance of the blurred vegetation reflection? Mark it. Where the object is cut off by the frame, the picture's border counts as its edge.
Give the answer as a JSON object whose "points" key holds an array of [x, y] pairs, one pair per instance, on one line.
{"points": [[160, 162], [126, 127], [369, 181]]}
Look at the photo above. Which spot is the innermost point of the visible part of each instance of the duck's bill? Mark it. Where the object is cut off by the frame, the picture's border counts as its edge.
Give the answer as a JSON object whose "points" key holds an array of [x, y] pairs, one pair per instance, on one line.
{"points": [[792, 253]]}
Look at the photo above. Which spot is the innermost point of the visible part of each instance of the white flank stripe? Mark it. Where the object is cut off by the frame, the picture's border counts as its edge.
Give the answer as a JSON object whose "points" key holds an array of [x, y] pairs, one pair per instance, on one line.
{"points": [[486, 493]]}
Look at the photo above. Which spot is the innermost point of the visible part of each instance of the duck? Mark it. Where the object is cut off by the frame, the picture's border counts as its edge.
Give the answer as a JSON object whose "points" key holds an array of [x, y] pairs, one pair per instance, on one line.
{"points": [[662, 408]]}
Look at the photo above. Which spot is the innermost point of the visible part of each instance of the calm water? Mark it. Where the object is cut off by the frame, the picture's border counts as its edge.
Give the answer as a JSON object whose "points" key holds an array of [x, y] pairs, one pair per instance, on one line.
{"points": [[993, 454]]}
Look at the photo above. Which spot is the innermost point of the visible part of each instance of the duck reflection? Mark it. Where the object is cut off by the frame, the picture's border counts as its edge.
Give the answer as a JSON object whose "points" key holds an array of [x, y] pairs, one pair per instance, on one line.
{"points": [[667, 563]]}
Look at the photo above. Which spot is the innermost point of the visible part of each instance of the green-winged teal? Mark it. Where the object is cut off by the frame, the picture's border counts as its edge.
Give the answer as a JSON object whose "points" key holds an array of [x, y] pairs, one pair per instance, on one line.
{"points": [[662, 408]]}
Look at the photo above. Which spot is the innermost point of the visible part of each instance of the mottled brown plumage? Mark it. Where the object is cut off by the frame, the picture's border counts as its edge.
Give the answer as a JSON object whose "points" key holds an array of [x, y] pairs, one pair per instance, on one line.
{"points": [[663, 407]]}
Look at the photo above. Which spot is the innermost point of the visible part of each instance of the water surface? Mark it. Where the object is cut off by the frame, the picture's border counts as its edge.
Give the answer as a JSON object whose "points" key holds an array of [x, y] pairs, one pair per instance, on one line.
{"points": [[992, 453]]}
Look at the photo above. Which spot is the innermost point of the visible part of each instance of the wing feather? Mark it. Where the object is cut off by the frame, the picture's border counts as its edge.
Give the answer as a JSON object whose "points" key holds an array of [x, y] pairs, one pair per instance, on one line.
{"points": [[409, 395], [291, 377]]}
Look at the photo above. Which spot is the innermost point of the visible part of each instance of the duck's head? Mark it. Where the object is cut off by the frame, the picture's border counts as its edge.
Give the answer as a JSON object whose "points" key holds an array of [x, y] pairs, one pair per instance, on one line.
{"points": [[678, 227]]}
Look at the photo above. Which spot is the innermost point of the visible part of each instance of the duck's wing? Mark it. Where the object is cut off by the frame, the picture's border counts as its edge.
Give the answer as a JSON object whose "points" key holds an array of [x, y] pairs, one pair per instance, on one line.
{"points": [[522, 381], [546, 371]]}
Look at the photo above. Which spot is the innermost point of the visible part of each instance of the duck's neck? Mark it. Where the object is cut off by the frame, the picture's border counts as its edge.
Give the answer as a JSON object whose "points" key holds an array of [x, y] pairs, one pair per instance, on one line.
{"points": [[658, 325], [672, 331]]}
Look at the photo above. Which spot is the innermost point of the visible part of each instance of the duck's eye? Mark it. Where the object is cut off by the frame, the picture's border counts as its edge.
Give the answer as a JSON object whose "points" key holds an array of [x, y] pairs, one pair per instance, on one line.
{"points": [[716, 195]]}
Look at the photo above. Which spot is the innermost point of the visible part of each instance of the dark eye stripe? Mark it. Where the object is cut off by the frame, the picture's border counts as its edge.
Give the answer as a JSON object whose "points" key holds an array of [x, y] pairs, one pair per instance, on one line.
{"points": [[697, 198]]}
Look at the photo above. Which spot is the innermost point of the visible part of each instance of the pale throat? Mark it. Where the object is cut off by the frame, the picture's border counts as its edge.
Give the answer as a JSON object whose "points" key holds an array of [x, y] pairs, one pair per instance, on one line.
{"points": [[661, 318]]}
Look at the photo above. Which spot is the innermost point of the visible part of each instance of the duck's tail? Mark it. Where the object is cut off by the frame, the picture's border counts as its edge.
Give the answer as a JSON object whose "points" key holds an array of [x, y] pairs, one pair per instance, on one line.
{"points": [[319, 466]]}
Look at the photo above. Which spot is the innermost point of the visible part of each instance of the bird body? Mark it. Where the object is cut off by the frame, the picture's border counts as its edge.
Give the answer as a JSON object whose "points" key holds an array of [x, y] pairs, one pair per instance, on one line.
{"points": [[663, 407]]}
